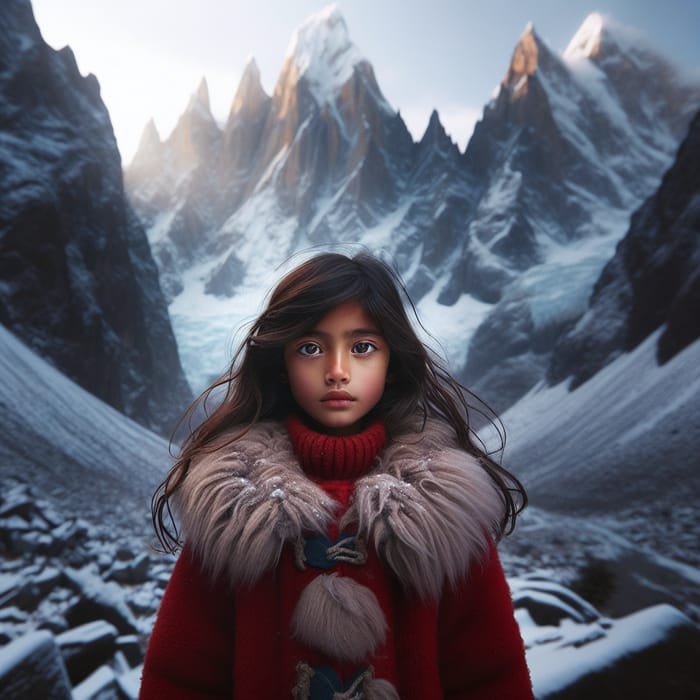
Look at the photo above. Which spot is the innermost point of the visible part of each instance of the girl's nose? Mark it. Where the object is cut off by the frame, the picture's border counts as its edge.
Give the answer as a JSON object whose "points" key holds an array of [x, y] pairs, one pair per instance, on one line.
{"points": [[337, 371]]}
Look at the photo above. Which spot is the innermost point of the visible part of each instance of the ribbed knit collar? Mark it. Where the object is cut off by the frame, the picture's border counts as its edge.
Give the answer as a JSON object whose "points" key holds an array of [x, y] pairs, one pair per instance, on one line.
{"points": [[335, 457]]}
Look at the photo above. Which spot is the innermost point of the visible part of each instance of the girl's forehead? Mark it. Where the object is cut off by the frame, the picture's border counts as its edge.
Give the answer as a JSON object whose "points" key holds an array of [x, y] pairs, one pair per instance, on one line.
{"points": [[350, 314]]}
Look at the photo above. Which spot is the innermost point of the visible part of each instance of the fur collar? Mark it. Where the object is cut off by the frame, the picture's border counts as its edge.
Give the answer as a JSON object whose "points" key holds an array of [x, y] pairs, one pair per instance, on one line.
{"points": [[426, 506]]}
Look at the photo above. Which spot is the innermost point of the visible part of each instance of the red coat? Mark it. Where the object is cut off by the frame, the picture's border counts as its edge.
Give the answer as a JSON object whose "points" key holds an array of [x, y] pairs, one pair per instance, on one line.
{"points": [[221, 637]]}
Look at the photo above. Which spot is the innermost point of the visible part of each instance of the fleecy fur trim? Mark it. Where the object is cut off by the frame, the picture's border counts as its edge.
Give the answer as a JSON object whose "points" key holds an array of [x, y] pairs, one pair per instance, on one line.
{"points": [[427, 506], [242, 502], [427, 509]]}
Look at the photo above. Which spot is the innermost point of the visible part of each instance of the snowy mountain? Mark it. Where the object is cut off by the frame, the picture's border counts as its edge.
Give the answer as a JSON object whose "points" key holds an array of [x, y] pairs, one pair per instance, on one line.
{"points": [[78, 280], [500, 245], [653, 279], [611, 442], [576, 144]]}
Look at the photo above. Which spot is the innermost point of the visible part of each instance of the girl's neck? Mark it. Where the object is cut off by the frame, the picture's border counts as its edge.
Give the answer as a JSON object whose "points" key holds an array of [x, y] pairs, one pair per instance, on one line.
{"points": [[333, 457]]}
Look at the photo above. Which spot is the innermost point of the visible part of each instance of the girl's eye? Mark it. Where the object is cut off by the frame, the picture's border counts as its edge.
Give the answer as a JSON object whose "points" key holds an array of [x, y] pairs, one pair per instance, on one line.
{"points": [[309, 349], [364, 347]]}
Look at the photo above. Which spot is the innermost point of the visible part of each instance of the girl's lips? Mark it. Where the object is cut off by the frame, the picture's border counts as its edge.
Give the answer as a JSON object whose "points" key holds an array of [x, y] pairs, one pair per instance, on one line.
{"points": [[337, 397]]}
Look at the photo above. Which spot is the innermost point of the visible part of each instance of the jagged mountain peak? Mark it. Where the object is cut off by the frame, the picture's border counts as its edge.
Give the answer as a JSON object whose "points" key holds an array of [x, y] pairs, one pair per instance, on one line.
{"points": [[321, 52], [251, 72], [149, 150], [435, 132], [526, 59], [150, 137], [434, 121], [526, 53], [199, 100], [195, 134], [250, 93], [558, 145], [198, 111], [600, 36], [586, 41]]}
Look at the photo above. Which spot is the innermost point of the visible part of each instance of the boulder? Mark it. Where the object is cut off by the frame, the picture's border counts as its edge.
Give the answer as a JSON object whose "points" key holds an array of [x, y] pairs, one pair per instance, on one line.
{"points": [[86, 647], [32, 667], [100, 685]]}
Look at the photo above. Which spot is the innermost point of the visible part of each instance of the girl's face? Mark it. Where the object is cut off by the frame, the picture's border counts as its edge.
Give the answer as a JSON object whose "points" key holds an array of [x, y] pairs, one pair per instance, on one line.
{"points": [[337, 371]]}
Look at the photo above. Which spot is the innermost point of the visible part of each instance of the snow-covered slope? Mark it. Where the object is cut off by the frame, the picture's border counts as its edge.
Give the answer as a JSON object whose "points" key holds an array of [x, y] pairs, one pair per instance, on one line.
{"points": [[71, 448], [625, 439], [507, 238]]}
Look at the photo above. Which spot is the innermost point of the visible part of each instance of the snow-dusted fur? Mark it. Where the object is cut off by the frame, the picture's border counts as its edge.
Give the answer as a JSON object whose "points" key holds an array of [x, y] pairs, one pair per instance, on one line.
{"points": [[242, 502], [339, 617], [426, 506]]}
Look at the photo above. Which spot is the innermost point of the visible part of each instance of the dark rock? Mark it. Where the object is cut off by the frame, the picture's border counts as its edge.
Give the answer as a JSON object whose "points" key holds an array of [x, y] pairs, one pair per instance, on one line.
{"points": [[32, 667], [70, 532], [56, 624], [131, 572], [23, 506], [12, 614], [125, 552], [98, 601], [47, 579], [224, 281], [86, 647], [101, 684], [130, 646]]}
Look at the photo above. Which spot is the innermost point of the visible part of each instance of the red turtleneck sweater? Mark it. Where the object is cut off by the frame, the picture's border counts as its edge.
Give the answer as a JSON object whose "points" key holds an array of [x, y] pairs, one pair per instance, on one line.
{"points": [[333, 458], [210, 641]]}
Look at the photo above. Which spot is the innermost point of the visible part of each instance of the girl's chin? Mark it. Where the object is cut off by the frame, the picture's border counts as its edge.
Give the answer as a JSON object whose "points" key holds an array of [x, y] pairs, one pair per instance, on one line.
{"points": [[337, 427]]}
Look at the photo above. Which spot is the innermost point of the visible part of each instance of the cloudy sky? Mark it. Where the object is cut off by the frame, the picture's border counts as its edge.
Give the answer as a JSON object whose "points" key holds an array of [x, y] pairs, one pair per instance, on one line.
{"points": [[149, 55]]}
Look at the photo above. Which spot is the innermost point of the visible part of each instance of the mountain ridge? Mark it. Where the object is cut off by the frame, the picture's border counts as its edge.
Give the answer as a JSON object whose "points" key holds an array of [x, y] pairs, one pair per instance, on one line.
{"points": [[490, 226], [79, 283]]}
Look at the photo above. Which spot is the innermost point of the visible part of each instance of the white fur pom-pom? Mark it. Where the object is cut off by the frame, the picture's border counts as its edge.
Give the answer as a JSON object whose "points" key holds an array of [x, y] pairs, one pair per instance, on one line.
{"points": [[339, 617]]}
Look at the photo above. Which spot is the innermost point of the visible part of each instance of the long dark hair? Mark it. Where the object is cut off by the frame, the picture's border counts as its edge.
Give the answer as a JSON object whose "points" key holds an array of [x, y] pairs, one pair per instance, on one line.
{"points": [[421, 387]]}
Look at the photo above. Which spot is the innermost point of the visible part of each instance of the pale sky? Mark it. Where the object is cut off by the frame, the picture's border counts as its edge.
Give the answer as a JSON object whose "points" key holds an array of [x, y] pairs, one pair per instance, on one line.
{"points": [[150, 55]]}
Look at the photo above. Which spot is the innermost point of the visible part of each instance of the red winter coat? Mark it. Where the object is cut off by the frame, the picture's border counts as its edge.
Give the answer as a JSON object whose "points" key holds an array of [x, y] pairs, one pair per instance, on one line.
{"points": [[415, 607]]}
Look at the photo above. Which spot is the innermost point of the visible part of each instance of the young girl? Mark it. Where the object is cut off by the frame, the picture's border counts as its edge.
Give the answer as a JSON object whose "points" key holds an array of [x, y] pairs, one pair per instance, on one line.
{"points": [[339, 520]]}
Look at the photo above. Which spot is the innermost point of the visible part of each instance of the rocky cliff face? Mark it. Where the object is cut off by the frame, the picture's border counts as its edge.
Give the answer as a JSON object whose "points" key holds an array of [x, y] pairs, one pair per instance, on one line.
{"points": [[653, 280], [79, 283], [499, 245]]}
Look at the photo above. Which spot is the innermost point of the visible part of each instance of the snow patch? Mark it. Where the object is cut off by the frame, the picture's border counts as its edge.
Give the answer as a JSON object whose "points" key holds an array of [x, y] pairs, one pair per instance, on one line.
{"points": [[555, 669]]}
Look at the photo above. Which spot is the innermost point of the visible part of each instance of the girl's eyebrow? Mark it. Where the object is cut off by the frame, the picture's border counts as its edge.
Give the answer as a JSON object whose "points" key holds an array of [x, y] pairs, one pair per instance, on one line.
{"points": [[314, 332]]}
